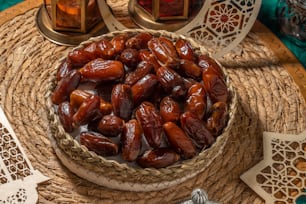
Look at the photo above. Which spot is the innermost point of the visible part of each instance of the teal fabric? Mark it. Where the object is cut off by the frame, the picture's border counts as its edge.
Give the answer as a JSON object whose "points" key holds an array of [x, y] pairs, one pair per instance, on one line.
{"points": [[267, 16], [7, 3]]}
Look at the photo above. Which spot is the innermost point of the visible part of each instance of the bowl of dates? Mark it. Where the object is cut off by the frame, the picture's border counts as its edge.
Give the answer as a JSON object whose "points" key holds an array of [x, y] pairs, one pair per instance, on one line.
{"points": [[139, 110]]}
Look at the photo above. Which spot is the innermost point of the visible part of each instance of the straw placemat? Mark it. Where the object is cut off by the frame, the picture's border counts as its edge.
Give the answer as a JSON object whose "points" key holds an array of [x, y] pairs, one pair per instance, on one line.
{"points": [[268, 99]]}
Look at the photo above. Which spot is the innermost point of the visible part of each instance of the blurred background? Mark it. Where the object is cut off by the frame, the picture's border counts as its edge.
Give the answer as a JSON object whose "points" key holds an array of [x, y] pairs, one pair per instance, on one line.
{"points": [[270, 14]]}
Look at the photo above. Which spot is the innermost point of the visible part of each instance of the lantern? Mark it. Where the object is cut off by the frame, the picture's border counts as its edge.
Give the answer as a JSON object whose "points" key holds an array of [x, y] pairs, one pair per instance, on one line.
{"points": [[73, 15], [163, 14]]}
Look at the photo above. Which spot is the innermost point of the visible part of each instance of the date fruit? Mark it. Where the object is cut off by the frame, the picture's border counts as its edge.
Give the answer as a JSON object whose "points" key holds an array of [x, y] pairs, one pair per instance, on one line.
{"points": [[79, 58], [122, 101], [65, 113], [196, 100], [139, 41], [105, 49], [87, 111], [65, 86], [190, 69], [184, 50], [151, 123], [142, 69], [217, 118], [169, 110], [164, 51], [196, 129], [118, 42], [147, 55], [78, 96], [99, 70], [179, 141], [144, 88], [205, 62], [131, 140], [129, 57], [99, 144], [215, 86], [172, 82], [110, 125], [64, 68], [158, 158]]}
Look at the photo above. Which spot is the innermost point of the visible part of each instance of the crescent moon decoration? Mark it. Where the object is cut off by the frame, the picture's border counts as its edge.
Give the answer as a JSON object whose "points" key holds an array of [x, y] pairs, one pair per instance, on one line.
{"points": [[222, 24]]}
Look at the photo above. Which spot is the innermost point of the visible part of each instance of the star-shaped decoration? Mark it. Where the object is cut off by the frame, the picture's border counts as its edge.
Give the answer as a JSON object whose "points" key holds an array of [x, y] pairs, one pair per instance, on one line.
{"points": [[281, 176]]}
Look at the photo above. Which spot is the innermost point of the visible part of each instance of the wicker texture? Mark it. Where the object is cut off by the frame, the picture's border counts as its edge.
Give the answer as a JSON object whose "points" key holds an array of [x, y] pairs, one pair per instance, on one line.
{"points": [[268, 100]]}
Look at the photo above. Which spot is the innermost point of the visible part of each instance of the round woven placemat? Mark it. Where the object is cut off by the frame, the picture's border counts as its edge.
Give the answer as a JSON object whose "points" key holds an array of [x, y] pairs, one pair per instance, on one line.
{"points": [[268, 100]]}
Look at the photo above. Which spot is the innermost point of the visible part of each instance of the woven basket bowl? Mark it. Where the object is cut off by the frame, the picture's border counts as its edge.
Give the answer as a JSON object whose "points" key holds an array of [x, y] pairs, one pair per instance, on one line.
{"points": [[110, 173]]}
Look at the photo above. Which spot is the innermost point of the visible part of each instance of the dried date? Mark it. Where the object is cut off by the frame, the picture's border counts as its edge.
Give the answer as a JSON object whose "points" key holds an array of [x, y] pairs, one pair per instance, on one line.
{"points": [[118, 42], [122, 101], [158, 158], [88, 110], [151, 123], [205, 62], [142, 69], [184, 49], [172, 82], [65, 113], [179, 141], [169, 109], [144, 88], [196, 100], [105, 49], [164, 51], [79, 58], [65, 86], [99, 144], [147, 55], [129, 57], [215, 86], [139, 41], [78, 96], [131, 138], [110, 125], [190, 69], [100, 70], [196, 129], [64, 68], [217, 118]]}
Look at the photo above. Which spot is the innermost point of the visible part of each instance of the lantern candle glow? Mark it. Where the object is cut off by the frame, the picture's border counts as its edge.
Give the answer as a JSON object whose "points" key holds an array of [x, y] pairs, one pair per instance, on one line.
{"points": [[73, 15]]}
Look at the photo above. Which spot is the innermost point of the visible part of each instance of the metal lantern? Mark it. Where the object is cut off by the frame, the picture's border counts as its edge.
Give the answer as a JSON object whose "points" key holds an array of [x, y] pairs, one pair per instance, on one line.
{"points": [[73, 15], [163, 14]]}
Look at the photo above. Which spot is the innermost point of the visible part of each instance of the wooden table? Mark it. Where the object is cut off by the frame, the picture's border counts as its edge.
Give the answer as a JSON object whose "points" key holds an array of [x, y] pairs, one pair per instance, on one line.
{"points": [[285, 56]]}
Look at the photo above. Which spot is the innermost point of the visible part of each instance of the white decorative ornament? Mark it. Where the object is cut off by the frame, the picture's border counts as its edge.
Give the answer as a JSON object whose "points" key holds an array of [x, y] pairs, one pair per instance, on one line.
{"points": [[110, 21], [18, 179], [222, 24], [281, 176]]}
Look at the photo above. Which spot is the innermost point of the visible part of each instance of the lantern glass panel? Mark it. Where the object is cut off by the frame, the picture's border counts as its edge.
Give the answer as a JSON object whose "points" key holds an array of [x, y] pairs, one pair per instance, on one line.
{"points": [[169, 8], [73, 15], [68, 13]]}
